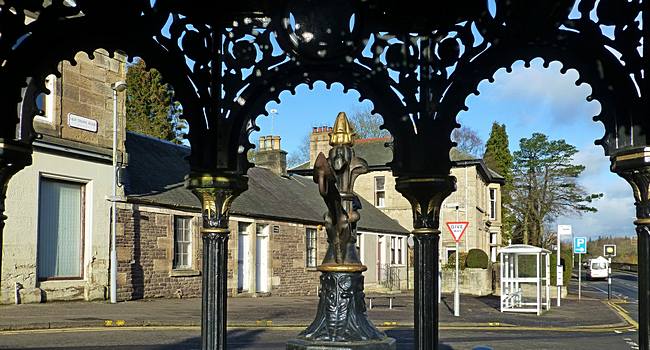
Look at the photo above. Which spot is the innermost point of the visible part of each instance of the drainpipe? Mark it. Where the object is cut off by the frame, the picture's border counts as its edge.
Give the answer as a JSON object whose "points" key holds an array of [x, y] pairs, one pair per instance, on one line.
{"points": [[18, 287]]}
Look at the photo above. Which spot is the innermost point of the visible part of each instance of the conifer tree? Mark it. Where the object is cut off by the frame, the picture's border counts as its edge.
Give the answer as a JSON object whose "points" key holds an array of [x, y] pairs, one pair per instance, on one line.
{"points": [[150, 108], [498, 158]]}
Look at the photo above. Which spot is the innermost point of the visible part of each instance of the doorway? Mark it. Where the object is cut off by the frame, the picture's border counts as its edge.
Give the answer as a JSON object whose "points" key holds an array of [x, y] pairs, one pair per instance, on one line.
{"points": [[262, 259], [243, 257]]}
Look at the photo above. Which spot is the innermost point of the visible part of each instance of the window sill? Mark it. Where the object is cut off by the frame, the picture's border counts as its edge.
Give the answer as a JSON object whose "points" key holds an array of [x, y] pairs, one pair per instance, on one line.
{"points": [[59, 279], [311, 269], [185, 273]]}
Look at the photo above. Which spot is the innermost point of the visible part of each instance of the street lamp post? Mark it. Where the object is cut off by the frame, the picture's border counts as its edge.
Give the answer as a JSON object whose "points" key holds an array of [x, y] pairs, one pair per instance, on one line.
{"points": [[274, 113], [117, 87]]}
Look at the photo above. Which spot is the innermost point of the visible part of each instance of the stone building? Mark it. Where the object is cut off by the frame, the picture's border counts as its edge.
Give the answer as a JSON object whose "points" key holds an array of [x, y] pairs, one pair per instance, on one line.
{"points": [[477, 198], [56, 239], [276, 238]]}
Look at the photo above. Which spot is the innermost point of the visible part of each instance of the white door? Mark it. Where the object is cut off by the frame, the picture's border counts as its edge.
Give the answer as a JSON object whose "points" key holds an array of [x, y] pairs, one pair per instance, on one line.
{"points": [[243, 258], [380, 257], [262, 259]]}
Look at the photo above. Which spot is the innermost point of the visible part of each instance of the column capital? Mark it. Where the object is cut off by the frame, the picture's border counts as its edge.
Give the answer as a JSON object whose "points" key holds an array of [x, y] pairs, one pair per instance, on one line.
{"points": [[216, 192], [426, 195], [634, 166]]}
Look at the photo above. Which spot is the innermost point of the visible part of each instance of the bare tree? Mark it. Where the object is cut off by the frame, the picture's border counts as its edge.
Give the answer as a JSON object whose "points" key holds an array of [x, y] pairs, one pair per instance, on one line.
{"points": [[366, 124], [468, 141], [301, 154]]}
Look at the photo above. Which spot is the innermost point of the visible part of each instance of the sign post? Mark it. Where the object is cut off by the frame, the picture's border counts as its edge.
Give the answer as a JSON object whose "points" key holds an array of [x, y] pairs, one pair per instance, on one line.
{"points": [[609, 251], [457, 229], [580, 247], [562, 230]]}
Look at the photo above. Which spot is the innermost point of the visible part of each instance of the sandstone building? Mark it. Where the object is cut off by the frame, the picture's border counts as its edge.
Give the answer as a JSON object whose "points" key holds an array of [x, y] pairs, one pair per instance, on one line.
{"points": [[276, 238], [477, 199], [57, 235]]}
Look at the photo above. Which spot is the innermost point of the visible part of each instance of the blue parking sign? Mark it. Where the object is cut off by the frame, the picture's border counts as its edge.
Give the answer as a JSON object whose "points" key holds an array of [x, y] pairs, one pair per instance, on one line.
{"points": [[580, 245]]}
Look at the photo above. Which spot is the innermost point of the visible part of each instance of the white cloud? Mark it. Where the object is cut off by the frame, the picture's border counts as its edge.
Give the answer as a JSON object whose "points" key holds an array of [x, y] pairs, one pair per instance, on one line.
{"points": [[615, 216], [616, 210], [553, 94]]}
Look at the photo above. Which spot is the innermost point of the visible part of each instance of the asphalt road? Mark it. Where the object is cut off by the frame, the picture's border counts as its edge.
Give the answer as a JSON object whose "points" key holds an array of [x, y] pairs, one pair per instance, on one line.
{"points": [[167, 338], [624, 286], [182, 339]]}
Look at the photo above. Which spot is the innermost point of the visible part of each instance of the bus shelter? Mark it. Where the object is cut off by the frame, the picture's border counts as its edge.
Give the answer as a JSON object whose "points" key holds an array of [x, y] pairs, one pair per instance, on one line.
{"points": [[525, 278]]}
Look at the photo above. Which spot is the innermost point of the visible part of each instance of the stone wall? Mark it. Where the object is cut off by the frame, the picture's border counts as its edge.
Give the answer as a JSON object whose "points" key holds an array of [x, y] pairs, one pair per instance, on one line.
{"points": [[85, 90], [290, 276], [145, 253], [395, 205], [471, 281]]}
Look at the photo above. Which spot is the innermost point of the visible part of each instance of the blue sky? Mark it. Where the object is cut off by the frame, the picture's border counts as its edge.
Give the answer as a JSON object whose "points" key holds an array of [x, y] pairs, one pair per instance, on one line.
{"points": [[527, 100]]}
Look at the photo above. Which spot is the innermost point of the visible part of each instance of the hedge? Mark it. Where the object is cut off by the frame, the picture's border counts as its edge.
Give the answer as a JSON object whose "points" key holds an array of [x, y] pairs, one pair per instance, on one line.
{"points": [[477, 259]]}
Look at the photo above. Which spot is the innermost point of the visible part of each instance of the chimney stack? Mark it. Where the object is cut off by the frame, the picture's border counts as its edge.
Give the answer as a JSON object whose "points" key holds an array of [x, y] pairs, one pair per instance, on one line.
{"points": [[271, 156], [319, 141]]}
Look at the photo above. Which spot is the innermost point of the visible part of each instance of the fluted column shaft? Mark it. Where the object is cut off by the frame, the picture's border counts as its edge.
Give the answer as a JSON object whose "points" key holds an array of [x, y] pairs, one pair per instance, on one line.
{"points": [[426, 196], [216, 193]]}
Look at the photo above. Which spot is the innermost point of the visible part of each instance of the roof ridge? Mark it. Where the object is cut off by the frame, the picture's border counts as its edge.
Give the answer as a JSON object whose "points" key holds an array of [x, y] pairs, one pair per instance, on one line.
{"points": [[372, 139], [157, 139]]}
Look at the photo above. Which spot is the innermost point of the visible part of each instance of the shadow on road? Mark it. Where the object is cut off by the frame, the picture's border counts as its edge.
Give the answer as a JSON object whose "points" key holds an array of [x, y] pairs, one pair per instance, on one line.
{"points": [[448, 302], [237, 339], [492, 301], [405, 339]]}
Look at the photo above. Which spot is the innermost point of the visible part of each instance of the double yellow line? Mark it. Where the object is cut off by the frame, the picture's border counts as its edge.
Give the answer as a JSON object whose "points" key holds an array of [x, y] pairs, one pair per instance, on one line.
{"points": [[614, 304]]}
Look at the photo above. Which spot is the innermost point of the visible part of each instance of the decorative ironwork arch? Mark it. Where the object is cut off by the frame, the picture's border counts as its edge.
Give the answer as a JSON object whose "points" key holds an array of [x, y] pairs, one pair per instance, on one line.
{"points": [[417, 67], [611, 83]]}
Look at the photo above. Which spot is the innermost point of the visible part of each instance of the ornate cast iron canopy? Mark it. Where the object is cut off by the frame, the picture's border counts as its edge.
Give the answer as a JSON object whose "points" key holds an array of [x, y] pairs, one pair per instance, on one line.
{"points": [[417, 67], [226, 61]]}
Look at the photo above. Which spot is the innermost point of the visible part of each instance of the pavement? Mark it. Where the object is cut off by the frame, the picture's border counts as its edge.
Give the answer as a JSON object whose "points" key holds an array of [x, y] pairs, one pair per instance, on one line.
{"points": [[588, 314]]}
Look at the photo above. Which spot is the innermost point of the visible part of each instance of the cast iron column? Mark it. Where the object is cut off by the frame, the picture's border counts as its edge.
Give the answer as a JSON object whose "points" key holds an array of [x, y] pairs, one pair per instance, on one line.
{"points": [[341, 320], [216, 193], [13, 157], [426, 196], [634, 167]]}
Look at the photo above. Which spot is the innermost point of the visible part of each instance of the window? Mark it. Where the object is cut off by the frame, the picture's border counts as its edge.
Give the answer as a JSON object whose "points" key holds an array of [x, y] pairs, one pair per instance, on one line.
{"points": [[60, 229], [393, 250], [310, 241], [357, 244], [493, 246], [493, 203], [450, 252], [45, 102], [262, 229], [380, 193], [400, 241], [182, 242]]}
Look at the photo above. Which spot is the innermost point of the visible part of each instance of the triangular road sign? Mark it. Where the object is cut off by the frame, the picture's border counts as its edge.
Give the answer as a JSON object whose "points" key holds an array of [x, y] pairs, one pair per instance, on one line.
{"points": [[457, 229]]}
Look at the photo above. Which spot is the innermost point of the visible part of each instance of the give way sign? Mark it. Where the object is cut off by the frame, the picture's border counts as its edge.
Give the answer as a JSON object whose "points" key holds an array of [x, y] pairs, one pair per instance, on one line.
{"points": [[457, 229]]}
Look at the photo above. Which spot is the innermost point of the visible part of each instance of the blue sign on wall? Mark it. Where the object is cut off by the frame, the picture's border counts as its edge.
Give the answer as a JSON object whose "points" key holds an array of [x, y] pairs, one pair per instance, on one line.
{"points": [[580, 245]]}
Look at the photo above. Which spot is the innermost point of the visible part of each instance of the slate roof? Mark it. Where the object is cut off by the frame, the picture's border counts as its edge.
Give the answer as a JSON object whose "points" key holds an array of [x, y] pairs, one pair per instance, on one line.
{"points": [[373, 150], [377, 155], [156, 172]]}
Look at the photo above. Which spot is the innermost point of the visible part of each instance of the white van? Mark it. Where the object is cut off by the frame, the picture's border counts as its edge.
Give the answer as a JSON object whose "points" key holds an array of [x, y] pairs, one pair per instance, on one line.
{"points": [[597, 268]]}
